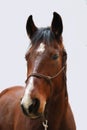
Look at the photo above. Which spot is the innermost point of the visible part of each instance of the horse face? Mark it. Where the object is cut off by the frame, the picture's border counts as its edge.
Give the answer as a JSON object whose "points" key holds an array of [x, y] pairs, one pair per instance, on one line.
{"points": [[46, 60], [45, 56]]}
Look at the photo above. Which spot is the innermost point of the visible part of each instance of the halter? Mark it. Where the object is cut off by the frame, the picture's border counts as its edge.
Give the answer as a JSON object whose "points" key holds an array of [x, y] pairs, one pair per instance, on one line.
{"points": [[47, 78]]}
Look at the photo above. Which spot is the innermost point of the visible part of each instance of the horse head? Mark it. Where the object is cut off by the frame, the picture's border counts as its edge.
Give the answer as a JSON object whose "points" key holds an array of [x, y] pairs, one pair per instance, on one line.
{"points": [[46, 68]]}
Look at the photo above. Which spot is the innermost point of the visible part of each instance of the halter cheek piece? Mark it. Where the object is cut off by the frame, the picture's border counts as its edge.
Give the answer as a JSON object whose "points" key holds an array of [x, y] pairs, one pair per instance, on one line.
{"points": [[47, 78]]}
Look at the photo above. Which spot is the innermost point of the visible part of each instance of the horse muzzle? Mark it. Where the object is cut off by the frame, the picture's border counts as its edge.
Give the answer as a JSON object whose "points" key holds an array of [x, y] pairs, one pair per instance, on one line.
{"points": [[34, 109]]}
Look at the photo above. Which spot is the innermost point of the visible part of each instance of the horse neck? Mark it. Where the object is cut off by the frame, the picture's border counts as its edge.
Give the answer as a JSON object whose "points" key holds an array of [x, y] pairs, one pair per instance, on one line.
{"points": [[57, 110]]}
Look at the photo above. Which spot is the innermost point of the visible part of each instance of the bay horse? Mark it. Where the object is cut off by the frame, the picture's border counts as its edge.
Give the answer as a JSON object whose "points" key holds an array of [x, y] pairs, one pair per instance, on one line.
{"points": [[43, 103]]}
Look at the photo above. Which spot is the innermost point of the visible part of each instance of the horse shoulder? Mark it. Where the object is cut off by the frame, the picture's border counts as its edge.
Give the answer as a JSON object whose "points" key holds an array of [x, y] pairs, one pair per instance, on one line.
{"points": [[11, 90], [9, 98]]}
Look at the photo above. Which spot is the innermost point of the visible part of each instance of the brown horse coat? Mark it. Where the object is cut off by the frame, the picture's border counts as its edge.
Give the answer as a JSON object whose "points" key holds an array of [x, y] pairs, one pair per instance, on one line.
{"points": [[43, 103]]}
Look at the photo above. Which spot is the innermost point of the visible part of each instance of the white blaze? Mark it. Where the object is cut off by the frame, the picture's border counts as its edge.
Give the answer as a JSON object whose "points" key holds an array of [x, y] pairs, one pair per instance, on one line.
{"points": [[41, 48], [26, 100]]}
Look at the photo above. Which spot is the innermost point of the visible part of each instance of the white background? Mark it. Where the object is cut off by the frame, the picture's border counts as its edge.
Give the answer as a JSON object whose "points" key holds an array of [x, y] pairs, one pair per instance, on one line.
{"points": [[14, 43]]}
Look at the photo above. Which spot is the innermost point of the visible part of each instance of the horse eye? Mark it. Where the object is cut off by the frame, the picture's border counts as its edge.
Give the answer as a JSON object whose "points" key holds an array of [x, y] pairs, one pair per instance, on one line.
{"points": [[55, 56]]}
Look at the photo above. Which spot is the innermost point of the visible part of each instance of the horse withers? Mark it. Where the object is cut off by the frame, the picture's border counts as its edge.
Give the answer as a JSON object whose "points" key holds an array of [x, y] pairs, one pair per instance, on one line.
{"points": [[43, 103]]}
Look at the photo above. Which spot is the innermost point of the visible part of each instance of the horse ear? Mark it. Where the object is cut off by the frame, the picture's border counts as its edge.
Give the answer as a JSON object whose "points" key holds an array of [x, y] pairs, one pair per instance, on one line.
{"points": [[57, 25], [30, 27]]}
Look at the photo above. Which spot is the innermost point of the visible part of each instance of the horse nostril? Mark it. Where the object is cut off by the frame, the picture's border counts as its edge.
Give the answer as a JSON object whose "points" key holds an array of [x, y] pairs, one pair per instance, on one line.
{"points": [[33, 108]]}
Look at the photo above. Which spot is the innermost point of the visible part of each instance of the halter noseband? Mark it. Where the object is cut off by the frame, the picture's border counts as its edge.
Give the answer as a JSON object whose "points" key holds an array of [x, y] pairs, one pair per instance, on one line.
{"points": [[46, 77]]}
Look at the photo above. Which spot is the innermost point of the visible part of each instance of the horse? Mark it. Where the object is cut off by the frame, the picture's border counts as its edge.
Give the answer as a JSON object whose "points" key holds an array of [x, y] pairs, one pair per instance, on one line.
{"points": [[43, 103]]}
